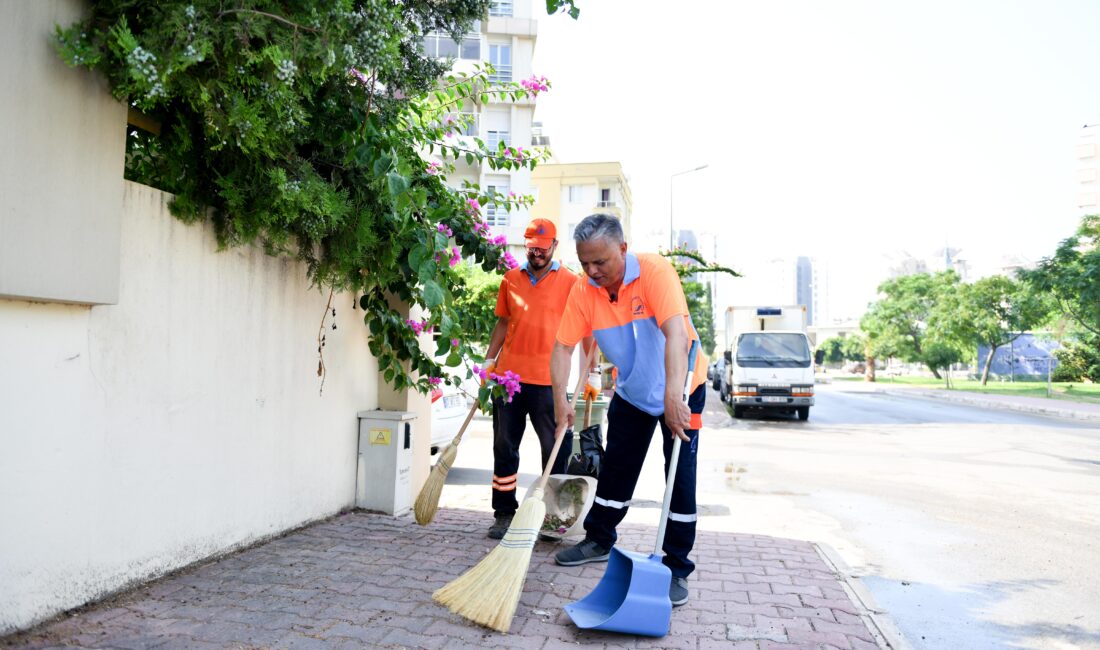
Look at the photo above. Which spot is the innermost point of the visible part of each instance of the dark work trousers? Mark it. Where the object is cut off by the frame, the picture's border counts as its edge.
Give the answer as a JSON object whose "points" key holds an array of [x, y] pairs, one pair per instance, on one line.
{"points": [[629, 431], [509, 422]]}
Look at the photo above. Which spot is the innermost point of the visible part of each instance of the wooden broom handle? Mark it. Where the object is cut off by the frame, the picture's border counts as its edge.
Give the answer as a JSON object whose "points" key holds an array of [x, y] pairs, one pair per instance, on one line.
{"points": [[469, 416], [573, 405], [587, 411]]}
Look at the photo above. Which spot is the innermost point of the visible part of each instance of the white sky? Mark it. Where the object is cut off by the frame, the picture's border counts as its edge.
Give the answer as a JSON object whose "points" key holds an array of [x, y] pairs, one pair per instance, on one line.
{"points": [[845, 130]]}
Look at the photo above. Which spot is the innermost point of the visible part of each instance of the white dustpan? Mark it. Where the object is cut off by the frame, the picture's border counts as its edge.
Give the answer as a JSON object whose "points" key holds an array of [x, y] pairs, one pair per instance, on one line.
{"points": [[569, 498]]}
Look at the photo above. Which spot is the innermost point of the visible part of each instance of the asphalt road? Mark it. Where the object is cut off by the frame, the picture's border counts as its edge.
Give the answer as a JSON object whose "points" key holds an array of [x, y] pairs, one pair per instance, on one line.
{"points": [[973, 528]]}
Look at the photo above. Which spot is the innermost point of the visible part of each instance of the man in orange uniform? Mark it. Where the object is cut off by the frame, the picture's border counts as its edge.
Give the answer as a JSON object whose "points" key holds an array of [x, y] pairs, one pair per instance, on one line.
{"points": [[529, 308], [635, 307]]}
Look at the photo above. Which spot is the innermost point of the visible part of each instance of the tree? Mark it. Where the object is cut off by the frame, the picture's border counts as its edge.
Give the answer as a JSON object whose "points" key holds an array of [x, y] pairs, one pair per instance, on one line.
{"points": [[897, 324], [698, 296], [478, 298], [702, 313], [305, 126], [832, 350], [843, 348], [995, 311], [1078, 359], [1071, 278], [853, 348]]}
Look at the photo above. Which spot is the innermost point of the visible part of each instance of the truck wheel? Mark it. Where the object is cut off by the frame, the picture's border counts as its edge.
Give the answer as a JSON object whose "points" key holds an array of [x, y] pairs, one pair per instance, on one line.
{"points": [[738, 412], [803, 412]]}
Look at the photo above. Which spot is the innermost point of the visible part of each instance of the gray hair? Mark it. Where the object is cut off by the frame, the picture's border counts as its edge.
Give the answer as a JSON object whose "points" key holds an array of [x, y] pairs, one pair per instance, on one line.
{"points": [[599, 226]]}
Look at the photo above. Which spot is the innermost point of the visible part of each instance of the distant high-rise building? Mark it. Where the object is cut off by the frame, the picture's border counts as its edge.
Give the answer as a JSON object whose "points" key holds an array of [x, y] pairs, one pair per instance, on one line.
{"points": [[804, 286], [687, 239], [1088, 170]]}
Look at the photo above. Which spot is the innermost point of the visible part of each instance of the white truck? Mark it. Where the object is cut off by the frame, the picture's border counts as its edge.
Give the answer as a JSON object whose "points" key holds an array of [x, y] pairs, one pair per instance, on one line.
{"points": [[769, 364]]}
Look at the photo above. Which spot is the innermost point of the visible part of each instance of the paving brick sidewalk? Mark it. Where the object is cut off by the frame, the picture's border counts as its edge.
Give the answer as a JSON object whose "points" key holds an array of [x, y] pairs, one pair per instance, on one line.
{"points": [[365, 580]]}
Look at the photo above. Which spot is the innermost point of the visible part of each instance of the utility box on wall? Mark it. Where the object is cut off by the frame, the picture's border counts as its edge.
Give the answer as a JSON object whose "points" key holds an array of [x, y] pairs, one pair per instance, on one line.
{"points": [[383, 481]]}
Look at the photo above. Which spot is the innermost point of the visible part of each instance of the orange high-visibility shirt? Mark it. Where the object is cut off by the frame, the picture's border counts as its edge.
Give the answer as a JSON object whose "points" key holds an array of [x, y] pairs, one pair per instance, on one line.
{"points": [[628, 331], [533, 310]]}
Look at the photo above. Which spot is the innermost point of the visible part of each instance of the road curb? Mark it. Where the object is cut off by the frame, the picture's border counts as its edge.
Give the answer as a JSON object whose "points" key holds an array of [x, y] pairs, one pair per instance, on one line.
{"points": [[887, 634], [1051, 411]]}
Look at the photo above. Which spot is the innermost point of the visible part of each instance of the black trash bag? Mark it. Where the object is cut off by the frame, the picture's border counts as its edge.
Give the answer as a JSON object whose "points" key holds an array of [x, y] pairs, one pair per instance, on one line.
{"points": [[590, 458]]}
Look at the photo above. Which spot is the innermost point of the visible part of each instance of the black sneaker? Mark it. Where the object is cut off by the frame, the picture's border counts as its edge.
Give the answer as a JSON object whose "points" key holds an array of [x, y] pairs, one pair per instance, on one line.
{"points": [[678, 591], [583, 552], [500, 526]]}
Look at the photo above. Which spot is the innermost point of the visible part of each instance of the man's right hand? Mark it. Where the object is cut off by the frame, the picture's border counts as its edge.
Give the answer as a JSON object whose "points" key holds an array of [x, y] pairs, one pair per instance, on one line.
{"points": [[564, 415]]}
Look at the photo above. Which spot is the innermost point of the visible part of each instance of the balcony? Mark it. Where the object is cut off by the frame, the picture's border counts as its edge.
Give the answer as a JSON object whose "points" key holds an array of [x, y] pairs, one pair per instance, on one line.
{"points": [[503, 74], [496, 216], [606, 204]]}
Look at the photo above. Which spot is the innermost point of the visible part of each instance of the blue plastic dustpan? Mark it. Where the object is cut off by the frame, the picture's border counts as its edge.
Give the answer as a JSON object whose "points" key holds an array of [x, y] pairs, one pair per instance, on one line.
{"points": [[632, 597]]}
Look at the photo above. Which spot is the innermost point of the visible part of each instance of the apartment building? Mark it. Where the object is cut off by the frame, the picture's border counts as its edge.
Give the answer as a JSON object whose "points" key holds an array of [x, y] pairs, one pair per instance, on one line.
{"points": [[506, 39], [568, 192]]}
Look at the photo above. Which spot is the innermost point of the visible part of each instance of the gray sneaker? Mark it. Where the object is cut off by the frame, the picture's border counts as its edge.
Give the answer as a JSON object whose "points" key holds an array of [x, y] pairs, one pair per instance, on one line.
{"points": [[500, 526], [678, 591], [583, 552]]}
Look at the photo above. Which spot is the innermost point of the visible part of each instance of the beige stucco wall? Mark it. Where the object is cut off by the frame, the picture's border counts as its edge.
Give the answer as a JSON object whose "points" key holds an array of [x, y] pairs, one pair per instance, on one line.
{"points": [[180, 423], [159, 402], [61, 204]]}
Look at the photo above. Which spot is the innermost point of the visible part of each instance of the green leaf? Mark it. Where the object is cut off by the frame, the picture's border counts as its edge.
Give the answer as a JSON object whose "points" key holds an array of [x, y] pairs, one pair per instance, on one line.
{"points": [[454, 359], [397, 183], [432, 294], [382, 164]]}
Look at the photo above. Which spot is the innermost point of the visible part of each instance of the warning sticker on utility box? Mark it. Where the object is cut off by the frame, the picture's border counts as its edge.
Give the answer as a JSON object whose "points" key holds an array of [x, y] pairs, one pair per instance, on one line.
{"points": [[379, 436]]}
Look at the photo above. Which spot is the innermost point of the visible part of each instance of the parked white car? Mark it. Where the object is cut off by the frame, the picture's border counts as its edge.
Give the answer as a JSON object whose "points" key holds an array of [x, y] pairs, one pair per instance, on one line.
{"points": [[449, 409]]}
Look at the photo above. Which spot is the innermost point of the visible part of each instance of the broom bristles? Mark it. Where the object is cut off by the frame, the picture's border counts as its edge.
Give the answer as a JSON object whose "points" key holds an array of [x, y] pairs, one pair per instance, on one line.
{"points": [[488, 593], [427, 502]]}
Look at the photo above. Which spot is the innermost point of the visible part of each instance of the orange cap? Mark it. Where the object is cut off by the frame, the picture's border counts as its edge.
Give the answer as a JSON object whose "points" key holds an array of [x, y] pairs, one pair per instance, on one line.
{"points": [[540, 233]]}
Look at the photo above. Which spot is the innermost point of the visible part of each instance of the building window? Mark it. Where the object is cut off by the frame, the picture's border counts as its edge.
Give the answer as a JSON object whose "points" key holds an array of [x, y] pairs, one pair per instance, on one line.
{"points": [[574, 192], [503, 8], [500, 56], [494, 138], [441, 45], [497, 214], [605, 198]]}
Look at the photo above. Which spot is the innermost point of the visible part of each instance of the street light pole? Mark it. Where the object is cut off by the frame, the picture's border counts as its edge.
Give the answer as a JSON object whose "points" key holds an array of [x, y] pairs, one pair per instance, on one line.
{"points": [[671, 243]]}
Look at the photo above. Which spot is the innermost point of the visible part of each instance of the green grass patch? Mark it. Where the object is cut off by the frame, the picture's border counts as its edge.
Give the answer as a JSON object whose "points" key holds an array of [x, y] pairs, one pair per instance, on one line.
{"points": [[1072, 391]]}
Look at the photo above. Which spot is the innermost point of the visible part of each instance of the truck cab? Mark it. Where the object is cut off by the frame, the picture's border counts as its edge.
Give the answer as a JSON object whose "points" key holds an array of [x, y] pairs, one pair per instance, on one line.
{"points": [[770, 363]]}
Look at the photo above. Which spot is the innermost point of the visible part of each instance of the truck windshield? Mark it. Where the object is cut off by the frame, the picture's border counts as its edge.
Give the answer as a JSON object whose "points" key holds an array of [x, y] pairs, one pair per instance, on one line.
{"points": [[773, 350]]}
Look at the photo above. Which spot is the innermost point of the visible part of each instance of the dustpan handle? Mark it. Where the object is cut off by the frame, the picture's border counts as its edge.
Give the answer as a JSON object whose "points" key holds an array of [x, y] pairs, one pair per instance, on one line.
{"points": [[557, 439], [670, 480]]}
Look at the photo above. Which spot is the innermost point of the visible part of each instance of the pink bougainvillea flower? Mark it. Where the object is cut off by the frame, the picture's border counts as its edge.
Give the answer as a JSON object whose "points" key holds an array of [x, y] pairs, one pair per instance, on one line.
{"points": [[456, 257], [435, 381], [359, 76], [473, 206], [454, 343]]}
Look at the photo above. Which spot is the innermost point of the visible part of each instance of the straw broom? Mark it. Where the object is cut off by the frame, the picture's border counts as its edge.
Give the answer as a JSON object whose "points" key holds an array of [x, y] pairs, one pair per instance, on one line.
{"points": [[427, 502], [488, 593]]}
